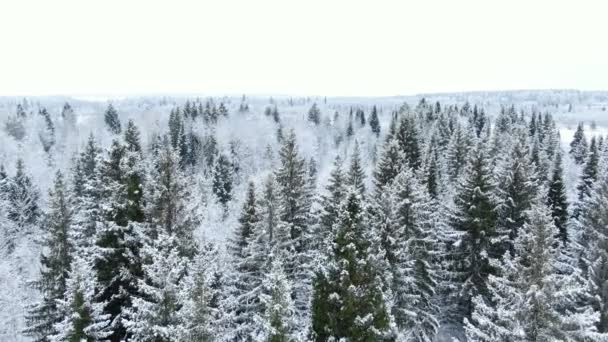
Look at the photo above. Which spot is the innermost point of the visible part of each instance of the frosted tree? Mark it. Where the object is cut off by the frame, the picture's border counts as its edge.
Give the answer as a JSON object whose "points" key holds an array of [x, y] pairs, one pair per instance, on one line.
{"points": [[388, 165], [200, 313], [530, 300], [294, 210], [590, 171], [112, 121], [409, 248], [82, 317], [22, 204], [314, 114], [277, 323], [356, 176], [330, 203], [348, 302], [222, 180], [557, 199], [170, 200], [155, 314], [473, 222], [408, 139], [55, 263], [578, 145], [374, 122], [515, 190], [457, 152]]}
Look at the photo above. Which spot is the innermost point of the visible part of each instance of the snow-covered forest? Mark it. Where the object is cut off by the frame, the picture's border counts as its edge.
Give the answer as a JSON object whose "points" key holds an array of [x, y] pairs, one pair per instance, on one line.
{"points": [[440, 217]]}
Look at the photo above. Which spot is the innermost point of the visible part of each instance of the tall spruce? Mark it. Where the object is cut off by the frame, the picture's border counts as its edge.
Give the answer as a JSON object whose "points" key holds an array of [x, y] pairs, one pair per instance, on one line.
{"points": [[112, 121], [557, 200], [578, 145]]}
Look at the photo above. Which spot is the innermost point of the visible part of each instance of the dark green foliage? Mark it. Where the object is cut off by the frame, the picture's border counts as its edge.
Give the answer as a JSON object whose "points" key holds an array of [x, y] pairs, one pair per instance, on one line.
{"points": [[558, 200], [222, 179], [349, 289], [112, 120], [374, 122], [578, 145], [407, 137], [314, 114], [388, 165]]}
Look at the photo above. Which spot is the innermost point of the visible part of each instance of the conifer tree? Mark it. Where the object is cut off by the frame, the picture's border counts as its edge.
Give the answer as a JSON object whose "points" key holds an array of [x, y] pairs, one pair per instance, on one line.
{"points": [[374, 122], [590, 171], [472, 221], [155, 315], [330, 202], [222, 180], [407, 137], [55, 263], [356, 176], [22, 205], [314, 114], [278, 322], [82, 318], [348, 302], [112, 120], [516, 188], [292, 239], [558, 200], [457, 152], [578, 145], [530, 300], [388, 165]]}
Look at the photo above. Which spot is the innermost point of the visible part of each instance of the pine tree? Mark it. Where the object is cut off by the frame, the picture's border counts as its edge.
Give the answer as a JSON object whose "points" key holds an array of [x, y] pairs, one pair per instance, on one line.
{"points": [[22, 204], [578, 145], [472, 220], [388, 165], [55, 263], [557, 200], [516, 188], [407, 137], [374, 123], [348, 302], [530, 300], [82, 318], [170, 204], [314, 114], [278, 322], [292, 238], [112, 120], [118, 244], [155, 315], [222, 180], [356, 176], [590, 171]]}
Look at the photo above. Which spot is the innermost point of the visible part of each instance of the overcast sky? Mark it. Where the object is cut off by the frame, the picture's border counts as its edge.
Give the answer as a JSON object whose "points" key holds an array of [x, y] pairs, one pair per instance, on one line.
{"points": [[312, 47]]}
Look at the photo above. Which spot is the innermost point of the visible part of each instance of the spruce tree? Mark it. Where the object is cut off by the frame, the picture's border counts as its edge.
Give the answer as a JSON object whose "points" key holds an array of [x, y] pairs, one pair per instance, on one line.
{"points": [[590, 171], [348, 302], [82, 318], [330, 202], [407, 137], [578, 145], [557, 200], [374, 122], [472, 221], [314, 114], [55, 263], [388, 165], [222, 180], [112, 120], [531, 300], [356, 176], [277, 323]]}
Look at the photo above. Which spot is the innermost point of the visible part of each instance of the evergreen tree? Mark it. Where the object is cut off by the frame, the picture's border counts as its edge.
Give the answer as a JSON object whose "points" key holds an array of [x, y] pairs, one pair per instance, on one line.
{"points": [[292, 239], [222, 180], [590, 171], [374, 122], [22, 204], [82, 318], [472, 220], [155, 315], [170, 204], [356, 176], [558, 200], [314, 114], [277, 323], [530, 300], [457, 152], [578, 145], [55, 263], [47, 136], [112, 120], [330, 202], [348, 302], [388, 165], [407, 137], [516, 188]]}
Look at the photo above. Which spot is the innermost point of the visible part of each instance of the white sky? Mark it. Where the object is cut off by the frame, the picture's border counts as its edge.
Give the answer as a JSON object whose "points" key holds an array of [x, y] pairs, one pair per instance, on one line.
{"points": [[329, 47]]}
